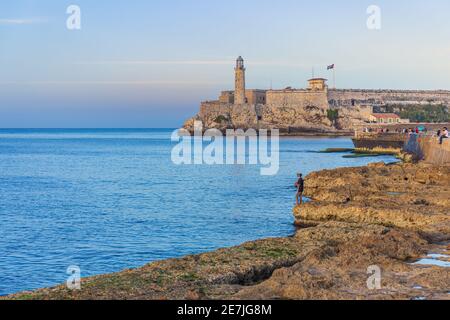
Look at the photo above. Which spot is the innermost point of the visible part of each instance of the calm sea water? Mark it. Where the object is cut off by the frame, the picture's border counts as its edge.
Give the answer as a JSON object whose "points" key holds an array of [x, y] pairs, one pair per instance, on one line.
{"points": [[106, 200]]}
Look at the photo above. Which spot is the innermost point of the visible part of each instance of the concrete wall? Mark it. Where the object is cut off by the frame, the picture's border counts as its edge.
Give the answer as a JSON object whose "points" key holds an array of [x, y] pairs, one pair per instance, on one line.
{"points": [[428, 149]]}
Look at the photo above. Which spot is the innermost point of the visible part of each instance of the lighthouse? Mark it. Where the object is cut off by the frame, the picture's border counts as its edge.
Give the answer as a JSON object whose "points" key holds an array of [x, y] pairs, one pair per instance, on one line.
{"points": [[239, 91]]}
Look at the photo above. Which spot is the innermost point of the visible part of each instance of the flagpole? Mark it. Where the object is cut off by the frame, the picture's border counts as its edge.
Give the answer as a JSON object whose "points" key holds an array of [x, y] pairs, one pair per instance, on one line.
{"points": [[334, 77]]}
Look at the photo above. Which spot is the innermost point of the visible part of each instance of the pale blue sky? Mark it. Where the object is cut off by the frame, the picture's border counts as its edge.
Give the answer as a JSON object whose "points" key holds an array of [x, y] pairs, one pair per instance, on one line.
{"points": [[149, 63]]}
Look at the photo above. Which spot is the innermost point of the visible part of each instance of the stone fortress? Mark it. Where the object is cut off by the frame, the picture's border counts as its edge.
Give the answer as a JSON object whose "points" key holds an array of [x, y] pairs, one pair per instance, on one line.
{"points": [[314, 110]]}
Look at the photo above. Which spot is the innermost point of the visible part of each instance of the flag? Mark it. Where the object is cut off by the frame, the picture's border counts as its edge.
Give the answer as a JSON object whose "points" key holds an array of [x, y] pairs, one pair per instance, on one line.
{"points": [[330, 67]]}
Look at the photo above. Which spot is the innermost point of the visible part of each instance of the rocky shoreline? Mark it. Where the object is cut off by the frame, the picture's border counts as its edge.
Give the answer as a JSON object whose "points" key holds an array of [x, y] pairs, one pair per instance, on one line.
{"points": [[287, 133], [388, 216]]}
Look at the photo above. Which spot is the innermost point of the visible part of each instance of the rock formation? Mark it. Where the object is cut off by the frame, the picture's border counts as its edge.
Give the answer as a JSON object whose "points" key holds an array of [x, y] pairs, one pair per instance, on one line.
{"points": [[407, 196]]}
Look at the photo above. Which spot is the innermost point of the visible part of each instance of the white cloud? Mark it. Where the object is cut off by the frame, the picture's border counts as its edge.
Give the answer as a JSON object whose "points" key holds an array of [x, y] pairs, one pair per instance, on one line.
{"points": [[21, 21], [156, 62], [193, 62], [113, 83]]}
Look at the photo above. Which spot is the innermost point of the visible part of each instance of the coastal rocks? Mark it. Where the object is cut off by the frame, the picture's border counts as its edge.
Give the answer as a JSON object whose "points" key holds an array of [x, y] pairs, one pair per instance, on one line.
{"points": [[379, 217], [407, 196], [340, 269], [207, 275]]}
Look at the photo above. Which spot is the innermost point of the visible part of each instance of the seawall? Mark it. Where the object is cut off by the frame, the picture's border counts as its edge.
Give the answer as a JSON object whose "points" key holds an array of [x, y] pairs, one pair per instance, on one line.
{"points": [[428, 149]]}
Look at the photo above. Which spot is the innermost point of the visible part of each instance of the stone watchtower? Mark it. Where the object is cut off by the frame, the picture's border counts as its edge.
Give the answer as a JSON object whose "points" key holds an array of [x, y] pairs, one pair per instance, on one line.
{"points": [[239, 92]]}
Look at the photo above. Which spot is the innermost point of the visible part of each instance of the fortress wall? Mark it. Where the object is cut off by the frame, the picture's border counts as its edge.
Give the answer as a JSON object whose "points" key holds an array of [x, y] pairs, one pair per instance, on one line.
{"points": [[304, 108], [226, 97], [255, 96], [298, 98], [344, 97]]}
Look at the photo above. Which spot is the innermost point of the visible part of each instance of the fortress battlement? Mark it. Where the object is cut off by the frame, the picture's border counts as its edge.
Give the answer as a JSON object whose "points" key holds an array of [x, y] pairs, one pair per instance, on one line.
{"points": [[391, 91]]}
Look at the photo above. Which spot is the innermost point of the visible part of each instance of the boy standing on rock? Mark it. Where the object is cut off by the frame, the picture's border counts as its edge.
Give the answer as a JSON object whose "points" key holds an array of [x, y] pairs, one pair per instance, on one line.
{"points": [[300, 185]]}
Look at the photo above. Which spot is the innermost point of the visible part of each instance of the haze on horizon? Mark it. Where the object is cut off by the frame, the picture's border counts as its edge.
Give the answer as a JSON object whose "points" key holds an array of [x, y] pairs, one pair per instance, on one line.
{"points": [[149, 63]]}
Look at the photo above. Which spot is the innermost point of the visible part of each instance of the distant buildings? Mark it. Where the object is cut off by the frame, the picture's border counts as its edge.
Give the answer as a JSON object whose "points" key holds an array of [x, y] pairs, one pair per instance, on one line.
{"points": [[384, 118], [387, 118]]}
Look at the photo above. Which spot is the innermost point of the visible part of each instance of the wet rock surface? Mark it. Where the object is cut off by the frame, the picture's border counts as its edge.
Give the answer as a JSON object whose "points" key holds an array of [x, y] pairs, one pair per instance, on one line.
{"points": [[383, 216]]}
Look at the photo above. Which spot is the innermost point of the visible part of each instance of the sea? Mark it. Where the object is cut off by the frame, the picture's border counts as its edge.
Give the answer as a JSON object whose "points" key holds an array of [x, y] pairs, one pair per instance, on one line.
{"points": [[105, 200]]}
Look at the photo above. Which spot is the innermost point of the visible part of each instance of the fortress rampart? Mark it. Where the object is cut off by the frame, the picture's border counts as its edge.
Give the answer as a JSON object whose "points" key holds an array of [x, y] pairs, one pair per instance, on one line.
{"points": [[352, 97], [298, 98]]}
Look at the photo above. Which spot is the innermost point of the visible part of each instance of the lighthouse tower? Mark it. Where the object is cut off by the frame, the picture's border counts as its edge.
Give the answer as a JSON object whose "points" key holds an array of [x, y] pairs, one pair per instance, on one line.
{"points": [[239, 92]]}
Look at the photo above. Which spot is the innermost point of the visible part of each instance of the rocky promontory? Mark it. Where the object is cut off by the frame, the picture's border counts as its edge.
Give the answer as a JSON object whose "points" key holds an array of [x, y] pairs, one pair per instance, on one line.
{"points": [[290, 120], [382, 216]]}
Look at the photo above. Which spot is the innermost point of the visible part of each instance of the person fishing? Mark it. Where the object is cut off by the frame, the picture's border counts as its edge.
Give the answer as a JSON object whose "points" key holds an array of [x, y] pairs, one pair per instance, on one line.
{"points": [[444, 135], [300, 185]]}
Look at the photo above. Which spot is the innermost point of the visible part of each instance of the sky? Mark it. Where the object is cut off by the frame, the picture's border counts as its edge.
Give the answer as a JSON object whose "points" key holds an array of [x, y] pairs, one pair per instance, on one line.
{"points": [[149, 63]]}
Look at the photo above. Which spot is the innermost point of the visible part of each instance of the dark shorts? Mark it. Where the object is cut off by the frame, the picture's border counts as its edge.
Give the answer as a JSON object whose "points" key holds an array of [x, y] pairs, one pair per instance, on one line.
{"points": [[300, 190]]}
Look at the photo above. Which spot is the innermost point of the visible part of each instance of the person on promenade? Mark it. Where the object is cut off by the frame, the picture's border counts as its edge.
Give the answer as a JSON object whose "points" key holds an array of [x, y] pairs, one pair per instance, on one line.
{"points": [[300, 185], [444, 135]]}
